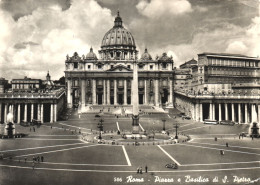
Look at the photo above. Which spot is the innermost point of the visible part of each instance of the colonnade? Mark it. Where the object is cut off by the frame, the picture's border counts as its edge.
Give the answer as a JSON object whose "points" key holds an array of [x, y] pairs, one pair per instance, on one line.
{"points": [[26, 112], [150, 91]]}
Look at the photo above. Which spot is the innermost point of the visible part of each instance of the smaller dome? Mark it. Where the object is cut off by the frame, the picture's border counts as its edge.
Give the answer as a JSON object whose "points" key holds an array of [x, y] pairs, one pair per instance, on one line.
{"points": [[146, 55], [91, 55]]}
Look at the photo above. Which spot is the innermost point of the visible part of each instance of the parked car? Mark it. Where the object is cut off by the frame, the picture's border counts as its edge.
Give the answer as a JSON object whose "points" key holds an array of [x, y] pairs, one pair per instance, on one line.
{"points": [[227, 122], [171, 165], [213, 122]]}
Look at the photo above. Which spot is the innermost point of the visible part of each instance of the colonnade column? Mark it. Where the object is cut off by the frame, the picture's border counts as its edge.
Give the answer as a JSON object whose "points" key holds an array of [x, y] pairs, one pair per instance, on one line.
{"points": [[94, 96], [0, 112], [32, 111], [115, 92], [108, 92], [39, 112], [226, 111], [233, 111], [145, 91], [201, 112], [170, 86], [239, 113], [83, 93], [210, 111], [125, 92], [213, 111], [51, 120], [252, 112], [25, 112], [258, 113], [219, 112], [55, 112], [104, 93], [5, 113], [69, 96], [19, 113], [245, 113], [156, 97], [42, 113]]}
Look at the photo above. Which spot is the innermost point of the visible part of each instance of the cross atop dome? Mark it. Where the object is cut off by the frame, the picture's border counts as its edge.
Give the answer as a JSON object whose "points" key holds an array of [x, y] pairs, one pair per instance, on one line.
{"points": [[118, 21]]}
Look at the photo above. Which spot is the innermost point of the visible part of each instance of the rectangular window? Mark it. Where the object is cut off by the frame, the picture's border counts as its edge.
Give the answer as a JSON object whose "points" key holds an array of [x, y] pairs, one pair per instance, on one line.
{"points": [[128, 66], [111, 66], [151, 67], [88, 66]]}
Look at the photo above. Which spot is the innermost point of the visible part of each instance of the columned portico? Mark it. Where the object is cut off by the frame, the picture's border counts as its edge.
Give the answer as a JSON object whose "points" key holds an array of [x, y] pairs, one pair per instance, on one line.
{"points": [[69, 95], [226, 111], [156, 89], [125, 92], [25, 112], [239, 113], [83, 93], [94, 94], [219, 112], [0, 113], [55, 112], [115, 92], [104, 92], [108, 92], [51, 120], [32, 111], [233, 111], [42, 110], [246, 114], [201, 112], [39, 112], [5, 113], [19, 113]]}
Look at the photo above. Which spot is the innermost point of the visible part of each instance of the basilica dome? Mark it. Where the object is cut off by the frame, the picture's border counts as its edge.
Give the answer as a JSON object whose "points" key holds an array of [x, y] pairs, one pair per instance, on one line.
{"points": [[118, 36]]}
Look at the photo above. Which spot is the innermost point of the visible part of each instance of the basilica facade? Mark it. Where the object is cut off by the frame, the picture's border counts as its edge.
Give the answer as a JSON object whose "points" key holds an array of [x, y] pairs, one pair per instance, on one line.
{"points": [[107, 79]]}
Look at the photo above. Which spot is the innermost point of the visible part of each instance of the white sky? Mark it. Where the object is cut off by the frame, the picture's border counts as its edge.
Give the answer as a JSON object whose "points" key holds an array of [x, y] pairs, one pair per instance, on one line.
{"points": [[36, 35]]}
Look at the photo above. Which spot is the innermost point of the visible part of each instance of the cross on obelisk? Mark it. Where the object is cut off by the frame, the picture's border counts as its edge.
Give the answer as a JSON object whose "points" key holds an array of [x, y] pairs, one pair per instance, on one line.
{"points": [[135, 100]]}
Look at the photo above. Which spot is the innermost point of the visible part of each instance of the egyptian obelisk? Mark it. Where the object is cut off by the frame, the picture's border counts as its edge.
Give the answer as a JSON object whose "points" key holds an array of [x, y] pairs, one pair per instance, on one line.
{"points": [[135, 100]]}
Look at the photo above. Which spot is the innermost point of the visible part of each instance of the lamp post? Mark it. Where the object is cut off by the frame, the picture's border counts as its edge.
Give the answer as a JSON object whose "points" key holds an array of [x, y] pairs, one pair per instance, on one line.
{"points": [[176, 127], [163, 120], [100, 126]]}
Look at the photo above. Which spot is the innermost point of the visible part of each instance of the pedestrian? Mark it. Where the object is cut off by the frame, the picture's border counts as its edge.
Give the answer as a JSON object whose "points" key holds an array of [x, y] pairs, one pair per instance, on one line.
{"points": [[227, 144], [30, 129], [141, 170], [38, 159], [146, 169], [33, 129], [252, 137], [42, 158], [25, 159], [239, 136], [216, 138], [51, 126], [137, 169], [33, 165]]}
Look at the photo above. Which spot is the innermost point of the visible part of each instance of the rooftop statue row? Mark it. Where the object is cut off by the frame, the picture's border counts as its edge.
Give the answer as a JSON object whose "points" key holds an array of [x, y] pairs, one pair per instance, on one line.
{"points": [[92, 56]]}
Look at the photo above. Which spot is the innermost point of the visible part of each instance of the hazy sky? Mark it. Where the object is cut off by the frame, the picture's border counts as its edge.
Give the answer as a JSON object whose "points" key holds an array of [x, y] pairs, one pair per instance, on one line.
{"points": [[36, 36]]}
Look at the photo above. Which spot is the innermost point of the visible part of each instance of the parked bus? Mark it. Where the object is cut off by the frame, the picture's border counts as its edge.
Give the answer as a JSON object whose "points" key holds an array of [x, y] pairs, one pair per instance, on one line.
{"points": [[208, 121]]}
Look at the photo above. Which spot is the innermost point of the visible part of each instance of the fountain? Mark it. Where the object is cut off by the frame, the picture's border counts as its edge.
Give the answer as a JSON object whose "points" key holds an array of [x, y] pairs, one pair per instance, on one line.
{"points": [[9, 129], [253, 130]]}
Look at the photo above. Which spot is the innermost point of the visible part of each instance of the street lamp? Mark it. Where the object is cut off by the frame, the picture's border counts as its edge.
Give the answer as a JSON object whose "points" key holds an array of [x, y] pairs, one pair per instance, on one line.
{"points": [[100, 126], [176, 127], [163, 120]]}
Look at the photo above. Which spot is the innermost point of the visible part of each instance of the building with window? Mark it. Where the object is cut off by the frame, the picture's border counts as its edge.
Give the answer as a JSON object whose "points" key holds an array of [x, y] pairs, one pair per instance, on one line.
{"points": [[107, 80], [223, 87]]}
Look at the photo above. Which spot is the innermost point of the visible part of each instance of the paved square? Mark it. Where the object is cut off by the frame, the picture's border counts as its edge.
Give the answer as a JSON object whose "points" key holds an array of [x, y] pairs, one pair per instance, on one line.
{"points": [[70, 159]]}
